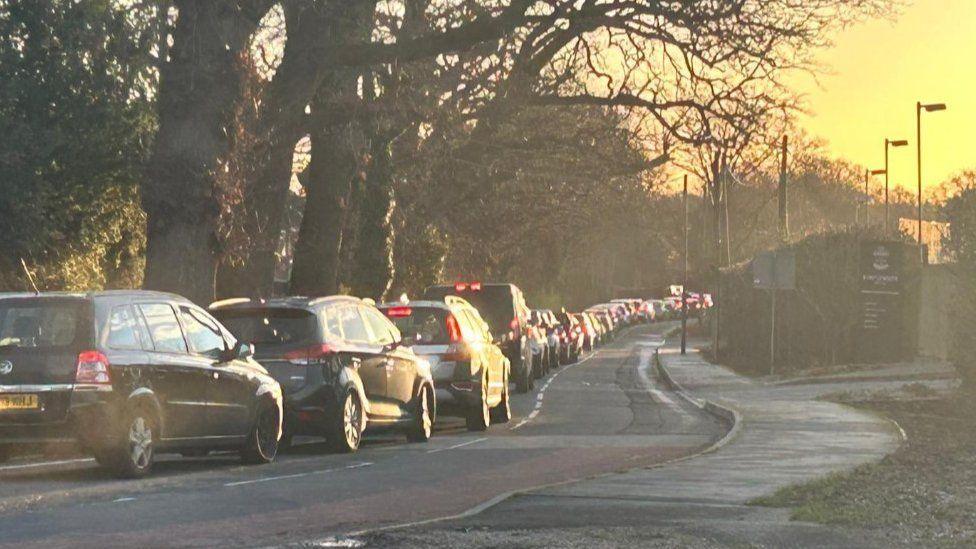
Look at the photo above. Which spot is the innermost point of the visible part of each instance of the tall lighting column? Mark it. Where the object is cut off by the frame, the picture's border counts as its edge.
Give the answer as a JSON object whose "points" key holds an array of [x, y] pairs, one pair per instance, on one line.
{"points": [[888, 144], [919, 107]]}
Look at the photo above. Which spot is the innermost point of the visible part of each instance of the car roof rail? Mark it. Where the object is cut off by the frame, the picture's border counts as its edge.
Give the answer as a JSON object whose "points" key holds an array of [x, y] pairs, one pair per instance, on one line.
{"points": [[228, 302], [333, 298]]}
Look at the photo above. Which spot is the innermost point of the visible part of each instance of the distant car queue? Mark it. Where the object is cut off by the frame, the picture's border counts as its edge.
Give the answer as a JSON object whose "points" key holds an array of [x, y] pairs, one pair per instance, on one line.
{"points": [[127, 375]]}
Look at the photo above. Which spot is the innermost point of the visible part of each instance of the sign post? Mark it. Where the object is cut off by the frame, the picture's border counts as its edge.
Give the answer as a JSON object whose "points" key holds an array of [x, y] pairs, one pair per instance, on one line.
{"points": [[775, 270]]}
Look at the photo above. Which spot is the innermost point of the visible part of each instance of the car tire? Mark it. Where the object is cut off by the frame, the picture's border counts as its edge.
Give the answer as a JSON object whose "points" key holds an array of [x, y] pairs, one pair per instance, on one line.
{"points": [[522, 381], [502, 412], [346, 429], [478, 417], [538, 367], [263, 442], [134, 454], [423, 418]]}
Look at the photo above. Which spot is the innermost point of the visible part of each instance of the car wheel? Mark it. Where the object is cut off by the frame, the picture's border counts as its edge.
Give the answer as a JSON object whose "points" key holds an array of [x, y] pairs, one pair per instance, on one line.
{"points": [[478, 418], [521, 380], [537, 367], [262, 443], [423, 421], [348, 425], [134, 454], [502, 412]]}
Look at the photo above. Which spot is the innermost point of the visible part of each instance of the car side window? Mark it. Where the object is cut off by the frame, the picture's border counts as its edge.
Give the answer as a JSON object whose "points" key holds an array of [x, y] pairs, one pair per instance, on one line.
{"points": [[123, 330], [382, 328], [202, 334], [164, 329], [330, 322], [353, 325]]}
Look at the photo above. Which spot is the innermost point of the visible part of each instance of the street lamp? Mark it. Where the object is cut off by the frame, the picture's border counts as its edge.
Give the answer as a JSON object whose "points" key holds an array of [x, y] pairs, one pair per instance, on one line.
{"points": [[867, 196], [889, 143], [919, 107]]}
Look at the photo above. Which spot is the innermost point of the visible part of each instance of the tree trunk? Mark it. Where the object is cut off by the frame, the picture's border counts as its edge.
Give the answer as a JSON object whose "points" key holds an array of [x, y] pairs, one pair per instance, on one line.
{"points": [[312, 31], [334, 165], [373, 266], [197, 92]]}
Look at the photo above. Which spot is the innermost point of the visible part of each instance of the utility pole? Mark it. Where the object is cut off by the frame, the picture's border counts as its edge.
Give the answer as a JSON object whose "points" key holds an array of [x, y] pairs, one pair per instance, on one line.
{"points": [[684, 276], [867, 175], [784, 222]]}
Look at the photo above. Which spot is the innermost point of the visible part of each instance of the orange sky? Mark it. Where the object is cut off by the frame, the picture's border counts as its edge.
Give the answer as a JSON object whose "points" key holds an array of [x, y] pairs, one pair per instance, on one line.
{"points": [[877, 72]]}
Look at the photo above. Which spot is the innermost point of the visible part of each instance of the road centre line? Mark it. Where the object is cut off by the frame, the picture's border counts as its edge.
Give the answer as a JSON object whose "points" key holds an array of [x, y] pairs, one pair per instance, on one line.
{"points": [[456, 446], [298, 475], [45, 464], [542, 392]]}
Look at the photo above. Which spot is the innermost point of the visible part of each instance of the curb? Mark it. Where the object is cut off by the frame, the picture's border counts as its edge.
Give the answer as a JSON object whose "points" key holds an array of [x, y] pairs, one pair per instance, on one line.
{"points": [[729, 415]]}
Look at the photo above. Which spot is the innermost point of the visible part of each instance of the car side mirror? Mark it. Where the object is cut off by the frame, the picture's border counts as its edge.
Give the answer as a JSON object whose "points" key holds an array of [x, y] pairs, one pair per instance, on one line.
{"points": [[240, 351]]}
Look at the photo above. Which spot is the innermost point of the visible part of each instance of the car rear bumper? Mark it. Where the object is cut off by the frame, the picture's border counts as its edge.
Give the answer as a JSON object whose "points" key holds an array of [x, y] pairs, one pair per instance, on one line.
{"points": [[88, 418]]}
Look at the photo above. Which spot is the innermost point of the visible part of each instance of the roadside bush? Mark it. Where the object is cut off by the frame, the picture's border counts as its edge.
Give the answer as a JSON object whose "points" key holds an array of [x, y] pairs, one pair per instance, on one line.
{"points": [[818, 323]]}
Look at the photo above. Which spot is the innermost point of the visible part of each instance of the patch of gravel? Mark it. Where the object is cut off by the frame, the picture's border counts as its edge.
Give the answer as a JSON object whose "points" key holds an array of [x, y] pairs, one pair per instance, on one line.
{"points": [[563, 538]]}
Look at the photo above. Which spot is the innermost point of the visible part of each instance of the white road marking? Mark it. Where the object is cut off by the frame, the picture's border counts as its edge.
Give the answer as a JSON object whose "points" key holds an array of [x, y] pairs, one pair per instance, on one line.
{"points": [[45, 464], [123, 500], [298, 475], [456, 446], [542, 392]]}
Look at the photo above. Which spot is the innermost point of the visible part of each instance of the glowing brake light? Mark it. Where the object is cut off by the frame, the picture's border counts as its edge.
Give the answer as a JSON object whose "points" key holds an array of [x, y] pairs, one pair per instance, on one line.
{"points": [[475, 286], [460, 286], [453, 329], [92, 368], [398, 312], [310, 355]]}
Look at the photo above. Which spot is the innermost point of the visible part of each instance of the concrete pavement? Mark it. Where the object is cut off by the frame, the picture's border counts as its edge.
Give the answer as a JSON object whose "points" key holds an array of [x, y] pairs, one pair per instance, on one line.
{"points": [[785, 437]]}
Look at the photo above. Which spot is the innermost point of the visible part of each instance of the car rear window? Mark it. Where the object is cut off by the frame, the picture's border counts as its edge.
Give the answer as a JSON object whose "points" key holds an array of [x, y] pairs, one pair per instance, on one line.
{"points": [[44, 323], [270, 326], [423, 325], [495, 303]]}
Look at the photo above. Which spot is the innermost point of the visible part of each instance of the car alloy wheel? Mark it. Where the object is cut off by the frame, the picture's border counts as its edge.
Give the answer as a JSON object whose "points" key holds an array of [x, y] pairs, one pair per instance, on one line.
{"points": [[502, 412], [352, 423], [262, 445], [140, 443], [423, 423], [479, 418]]}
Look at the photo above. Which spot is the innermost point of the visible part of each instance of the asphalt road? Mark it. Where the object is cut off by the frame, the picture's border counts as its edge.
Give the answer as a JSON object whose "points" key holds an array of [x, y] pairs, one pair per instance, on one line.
{"points": [[604, 414]]}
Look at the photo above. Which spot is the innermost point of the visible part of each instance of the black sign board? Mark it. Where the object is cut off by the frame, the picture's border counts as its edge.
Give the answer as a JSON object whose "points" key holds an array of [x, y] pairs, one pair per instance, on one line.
{"points": [[881, 285]]}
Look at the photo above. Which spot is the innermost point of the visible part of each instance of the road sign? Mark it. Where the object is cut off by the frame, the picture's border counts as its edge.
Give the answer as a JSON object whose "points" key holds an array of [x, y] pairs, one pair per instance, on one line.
{"points": [[882, 316], [775, 270]]}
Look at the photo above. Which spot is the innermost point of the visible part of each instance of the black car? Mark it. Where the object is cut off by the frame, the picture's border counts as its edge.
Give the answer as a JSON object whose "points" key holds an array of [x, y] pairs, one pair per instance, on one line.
{"points": [[341, 365], [127, 375], [503, 308]]}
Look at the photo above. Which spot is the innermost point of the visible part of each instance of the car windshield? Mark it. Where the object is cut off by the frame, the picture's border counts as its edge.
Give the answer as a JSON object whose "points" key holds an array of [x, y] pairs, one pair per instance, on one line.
{"points": [[423, 325], [42, 323], [495, 303], [269, 327]]}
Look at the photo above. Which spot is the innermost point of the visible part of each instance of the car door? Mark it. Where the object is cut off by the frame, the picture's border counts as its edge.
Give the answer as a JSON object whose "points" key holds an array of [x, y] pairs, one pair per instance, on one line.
{"points": [[492, 356], [372, 363], [179, 380], [401, 367], [229, 393]]}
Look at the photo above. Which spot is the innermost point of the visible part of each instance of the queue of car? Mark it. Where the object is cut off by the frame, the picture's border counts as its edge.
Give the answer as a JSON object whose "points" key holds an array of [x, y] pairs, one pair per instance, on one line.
{"points": [[127, 375]]}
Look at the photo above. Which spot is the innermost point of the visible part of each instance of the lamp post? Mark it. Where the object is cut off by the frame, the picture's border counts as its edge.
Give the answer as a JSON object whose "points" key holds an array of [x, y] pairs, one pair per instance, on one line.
{"points": [[919, 107], [888, 144], [867, 196]]}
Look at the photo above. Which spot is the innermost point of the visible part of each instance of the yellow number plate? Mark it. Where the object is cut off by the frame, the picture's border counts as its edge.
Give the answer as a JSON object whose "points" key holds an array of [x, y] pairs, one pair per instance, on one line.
{"points": [[18, 402]]}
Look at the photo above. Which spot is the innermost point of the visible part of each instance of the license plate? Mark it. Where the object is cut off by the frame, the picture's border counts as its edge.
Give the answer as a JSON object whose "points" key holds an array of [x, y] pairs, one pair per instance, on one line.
{"points": [[18, 402]]}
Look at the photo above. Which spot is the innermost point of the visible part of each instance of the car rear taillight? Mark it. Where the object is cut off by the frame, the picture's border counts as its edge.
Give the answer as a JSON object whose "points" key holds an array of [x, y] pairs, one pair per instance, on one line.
{"points": [[453, 329], [398, 312], [309, 355], [92, 368], [475, 286], [460, 287]]}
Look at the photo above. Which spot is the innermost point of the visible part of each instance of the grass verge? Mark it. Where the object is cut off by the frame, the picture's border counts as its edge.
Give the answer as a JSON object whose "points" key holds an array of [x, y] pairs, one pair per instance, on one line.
{"points": [[924, 493]]}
